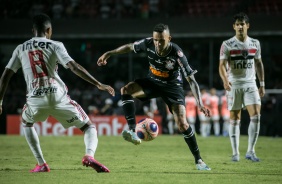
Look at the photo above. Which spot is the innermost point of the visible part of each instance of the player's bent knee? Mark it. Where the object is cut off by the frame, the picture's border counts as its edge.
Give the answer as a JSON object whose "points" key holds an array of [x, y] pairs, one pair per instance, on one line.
{"points": [[88, 125], [255, 118], [25, 124], [183, 126]]}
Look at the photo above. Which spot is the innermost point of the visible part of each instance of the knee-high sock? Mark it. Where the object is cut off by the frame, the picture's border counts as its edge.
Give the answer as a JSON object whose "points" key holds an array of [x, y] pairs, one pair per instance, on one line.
{"points": [[129, 111], [33, 142], [191, 141], [90, 140], [253, 132], [234, 134]]}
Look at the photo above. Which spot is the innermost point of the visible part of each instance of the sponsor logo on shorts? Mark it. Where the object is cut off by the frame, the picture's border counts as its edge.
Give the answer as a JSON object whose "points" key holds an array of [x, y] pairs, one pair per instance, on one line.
{"points": [[44, 91], [72, 119]]}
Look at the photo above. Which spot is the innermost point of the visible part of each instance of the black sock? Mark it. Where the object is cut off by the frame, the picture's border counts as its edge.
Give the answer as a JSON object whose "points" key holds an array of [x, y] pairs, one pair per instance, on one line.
{"points": [[129, 111], [191, 141]]}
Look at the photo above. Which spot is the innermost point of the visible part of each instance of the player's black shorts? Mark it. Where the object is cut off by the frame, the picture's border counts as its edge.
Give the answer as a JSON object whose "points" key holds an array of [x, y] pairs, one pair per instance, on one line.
{"points": [[171, 92]]}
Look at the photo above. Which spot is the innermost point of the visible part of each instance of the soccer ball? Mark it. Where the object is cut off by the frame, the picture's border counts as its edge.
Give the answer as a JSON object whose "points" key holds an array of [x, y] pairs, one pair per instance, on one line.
{"points": [[147, 129]]}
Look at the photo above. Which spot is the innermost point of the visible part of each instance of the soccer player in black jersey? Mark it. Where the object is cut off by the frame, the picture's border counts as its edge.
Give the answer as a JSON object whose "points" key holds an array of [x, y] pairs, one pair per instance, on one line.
{"points": [[164, 80]]}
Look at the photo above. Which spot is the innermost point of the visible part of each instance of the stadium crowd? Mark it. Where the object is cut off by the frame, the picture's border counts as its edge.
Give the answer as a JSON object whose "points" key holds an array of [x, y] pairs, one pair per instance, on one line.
{"points": [[143, 9]]}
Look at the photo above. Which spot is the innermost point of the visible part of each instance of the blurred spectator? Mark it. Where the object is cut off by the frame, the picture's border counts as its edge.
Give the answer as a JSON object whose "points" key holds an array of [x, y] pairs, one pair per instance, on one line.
{"points": [[225, 114], [191, 109], [214, 101], [57, 9], [154, 8], [144, 10], [108, 108], [36, 8], [105, 10], [204, 120], [150, 108], [93, 110]]}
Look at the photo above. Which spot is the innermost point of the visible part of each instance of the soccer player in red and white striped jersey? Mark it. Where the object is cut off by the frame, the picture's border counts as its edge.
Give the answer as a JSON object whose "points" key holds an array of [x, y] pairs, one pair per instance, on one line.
{"points": [[46, 92], [240, 62]]}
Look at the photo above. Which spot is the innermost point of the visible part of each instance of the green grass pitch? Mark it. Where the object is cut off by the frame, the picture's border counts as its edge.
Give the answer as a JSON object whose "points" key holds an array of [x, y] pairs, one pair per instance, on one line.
{"points": [[166, 159]]}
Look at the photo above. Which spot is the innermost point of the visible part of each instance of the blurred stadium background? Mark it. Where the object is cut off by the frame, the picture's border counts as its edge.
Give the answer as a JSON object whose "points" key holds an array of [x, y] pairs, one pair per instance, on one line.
{"points": [[90, 27]]}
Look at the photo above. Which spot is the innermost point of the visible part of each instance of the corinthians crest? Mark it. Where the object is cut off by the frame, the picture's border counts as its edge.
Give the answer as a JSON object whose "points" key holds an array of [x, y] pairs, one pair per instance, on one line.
{"points": [[169, 64], [245, 53]]}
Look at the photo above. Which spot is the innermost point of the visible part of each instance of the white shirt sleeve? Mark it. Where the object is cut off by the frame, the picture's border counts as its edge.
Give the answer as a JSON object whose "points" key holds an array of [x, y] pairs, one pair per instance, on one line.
{"points": [[15, 63], [258, 53], [62, 55], [224, 53]]}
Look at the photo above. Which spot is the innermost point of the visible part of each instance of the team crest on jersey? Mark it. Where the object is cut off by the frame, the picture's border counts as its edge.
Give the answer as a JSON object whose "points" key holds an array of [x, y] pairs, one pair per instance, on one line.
{"points": [[169, 65], [245, 53], [180, 53]]}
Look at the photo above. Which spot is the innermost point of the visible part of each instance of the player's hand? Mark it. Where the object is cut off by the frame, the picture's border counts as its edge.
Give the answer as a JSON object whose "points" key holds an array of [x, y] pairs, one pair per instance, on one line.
{"points": [[0, 109], [227, 86], [206, 111], [261, 91], [103, 59], [107, 88]]}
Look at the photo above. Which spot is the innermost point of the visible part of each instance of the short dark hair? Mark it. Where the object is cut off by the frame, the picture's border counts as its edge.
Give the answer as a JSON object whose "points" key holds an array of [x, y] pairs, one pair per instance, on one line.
{"points": [[160, 28], [241, 17], [41, 22]]}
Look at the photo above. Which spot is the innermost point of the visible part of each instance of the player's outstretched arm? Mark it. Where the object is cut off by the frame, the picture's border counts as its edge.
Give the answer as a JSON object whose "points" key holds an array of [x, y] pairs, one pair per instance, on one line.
{"points": [[120, 50], [4, 81], [197, 94], [84, 74]]}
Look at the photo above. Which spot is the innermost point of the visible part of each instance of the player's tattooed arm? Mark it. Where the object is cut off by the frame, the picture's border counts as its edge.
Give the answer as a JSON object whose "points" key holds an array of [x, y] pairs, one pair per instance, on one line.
{"points": [[195, 89], [197, 94], [120, 50]]}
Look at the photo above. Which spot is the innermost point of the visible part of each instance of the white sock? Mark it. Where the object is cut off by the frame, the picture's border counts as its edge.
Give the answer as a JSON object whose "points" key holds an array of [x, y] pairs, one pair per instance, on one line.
{"points": [[33, 142], [90, 140], [216, 128], [253, 132], [234, 134]]}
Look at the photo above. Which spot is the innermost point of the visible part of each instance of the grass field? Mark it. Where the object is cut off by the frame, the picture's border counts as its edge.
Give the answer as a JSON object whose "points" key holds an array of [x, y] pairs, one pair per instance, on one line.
{"points": [[164, 160]]}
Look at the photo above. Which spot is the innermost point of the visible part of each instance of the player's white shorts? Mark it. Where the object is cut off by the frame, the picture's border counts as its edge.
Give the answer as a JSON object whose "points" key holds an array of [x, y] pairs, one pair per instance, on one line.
{"points": [[191, 119], [202, 117], [225, 117], [240, 98], [215, 118], [67, 112]]}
